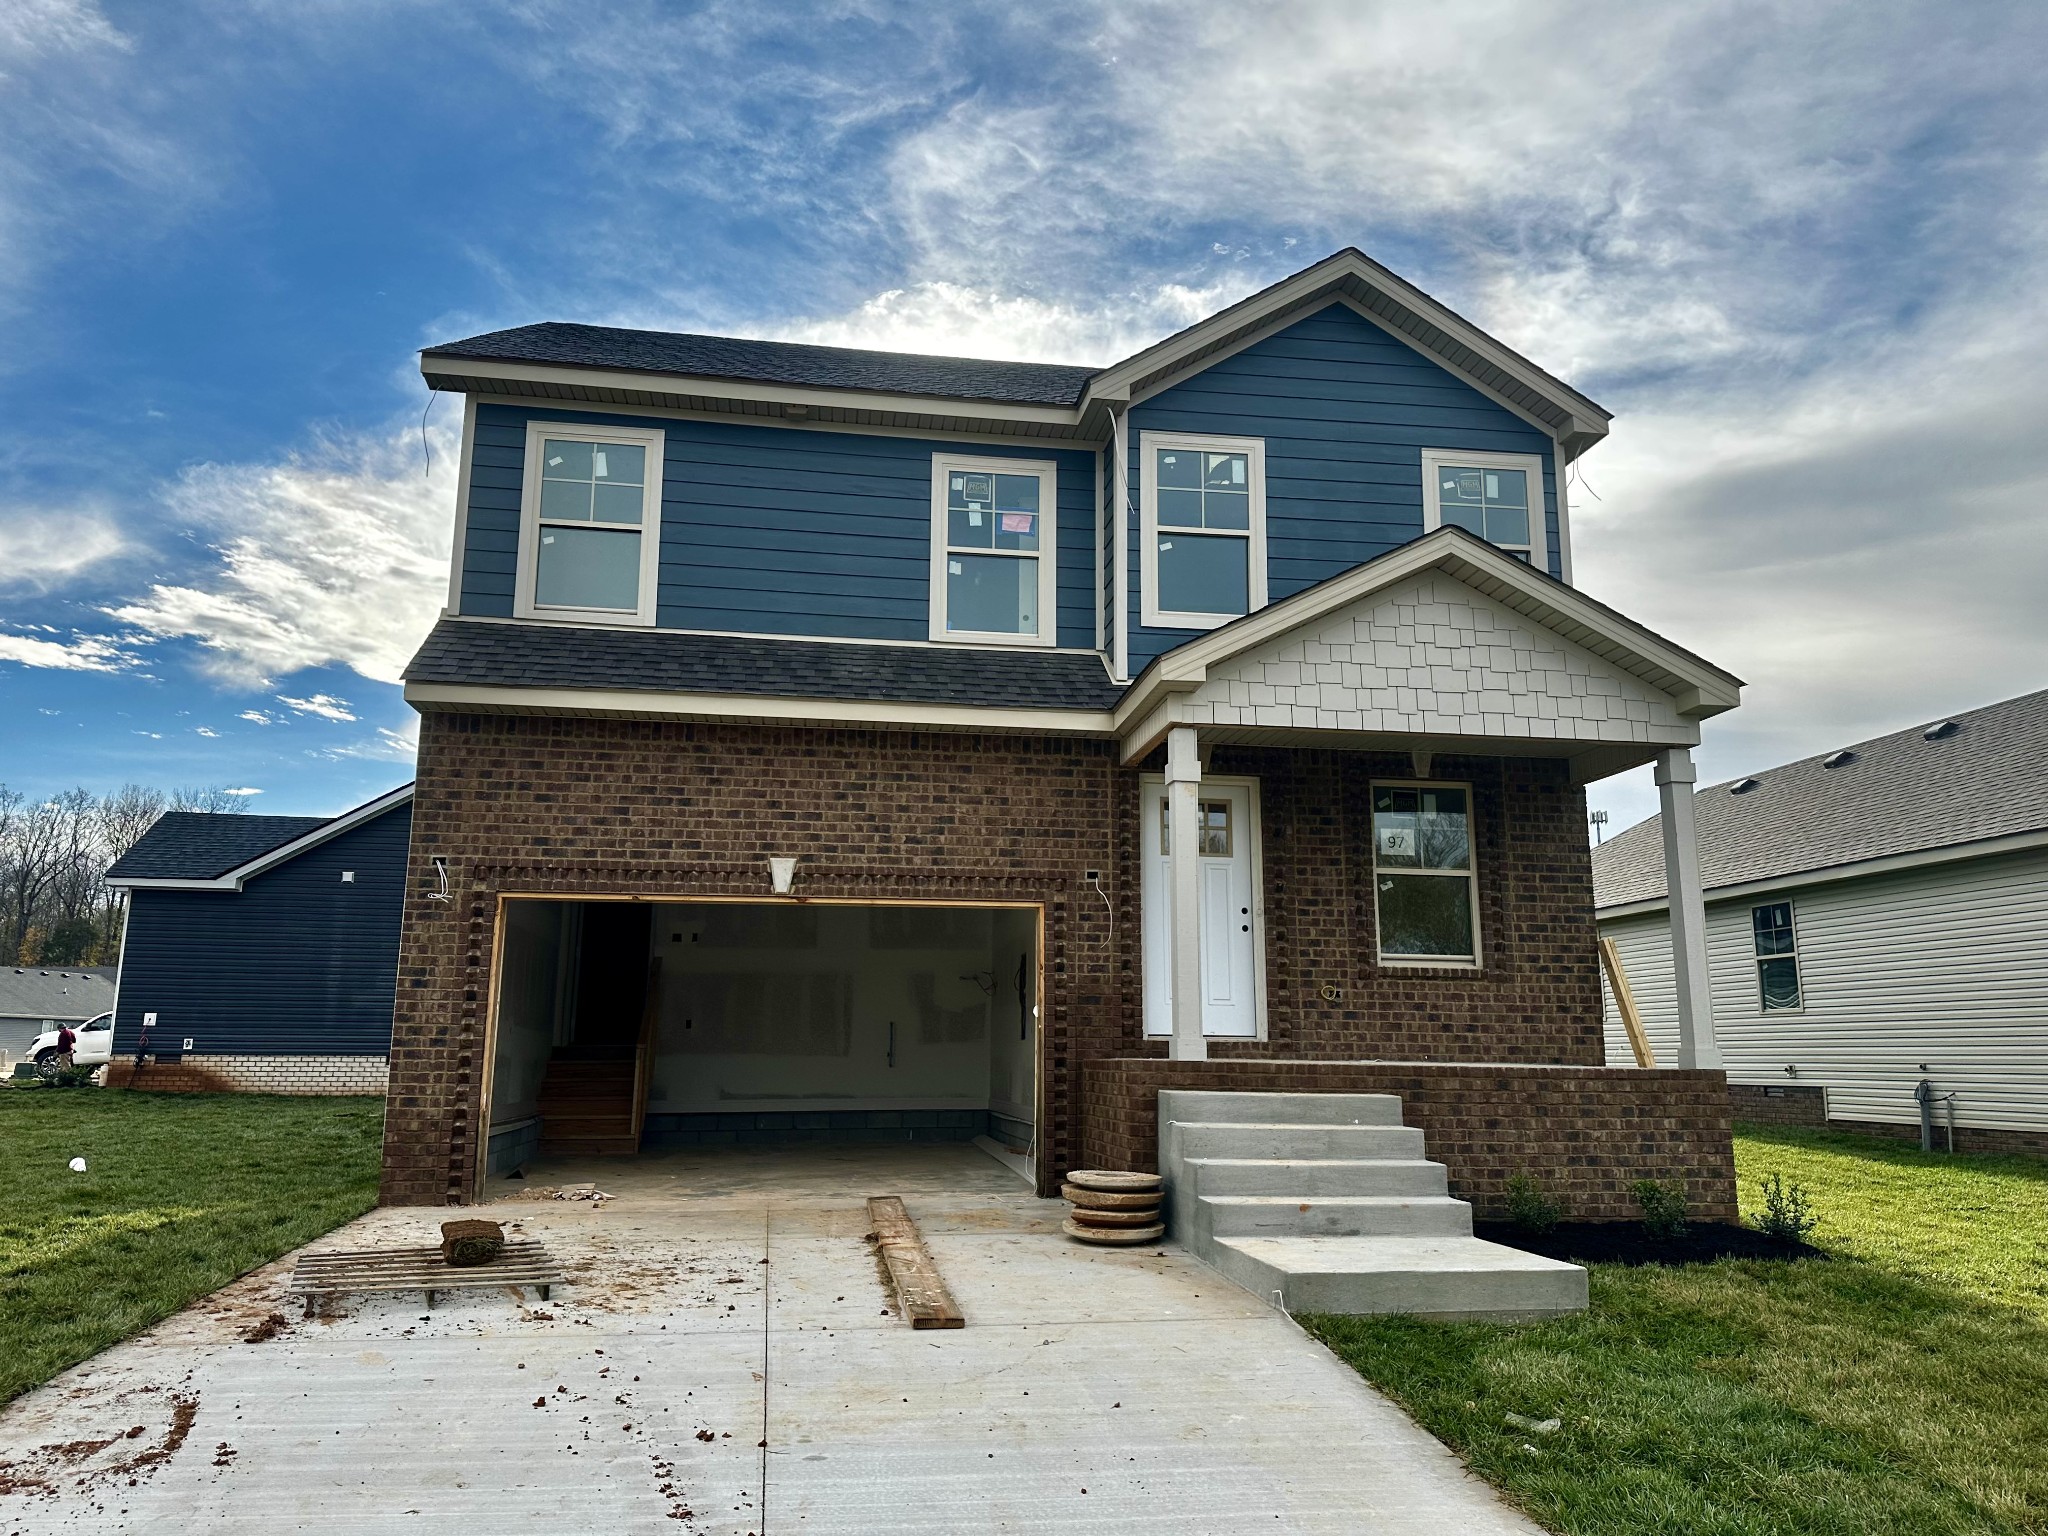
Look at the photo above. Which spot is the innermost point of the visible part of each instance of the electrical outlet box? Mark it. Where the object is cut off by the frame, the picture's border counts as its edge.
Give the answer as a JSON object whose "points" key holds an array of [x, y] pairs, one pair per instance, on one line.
{"points": [[188, 1043]]}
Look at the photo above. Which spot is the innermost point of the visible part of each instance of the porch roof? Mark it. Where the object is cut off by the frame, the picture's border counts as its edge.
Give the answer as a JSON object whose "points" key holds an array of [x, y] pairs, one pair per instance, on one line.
{"points": [[1426, 648]]}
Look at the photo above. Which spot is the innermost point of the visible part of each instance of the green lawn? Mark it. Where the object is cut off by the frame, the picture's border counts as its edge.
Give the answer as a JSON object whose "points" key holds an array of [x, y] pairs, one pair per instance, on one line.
{"points": [[181, 1193], [1901, 1385]]}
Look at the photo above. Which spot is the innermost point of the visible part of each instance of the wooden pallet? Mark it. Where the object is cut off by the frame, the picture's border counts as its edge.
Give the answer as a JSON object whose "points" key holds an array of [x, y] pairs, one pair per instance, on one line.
{"points": [[926, 1301], [320, 1275]]}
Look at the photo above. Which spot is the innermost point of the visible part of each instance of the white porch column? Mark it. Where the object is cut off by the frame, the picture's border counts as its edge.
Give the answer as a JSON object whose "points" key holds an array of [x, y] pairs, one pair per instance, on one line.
{"points": [[1676, 775], [1184, 936]]}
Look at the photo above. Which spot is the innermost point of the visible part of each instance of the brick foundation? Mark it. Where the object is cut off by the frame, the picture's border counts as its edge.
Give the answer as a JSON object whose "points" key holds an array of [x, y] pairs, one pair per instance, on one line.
{"points": [[1779, 1106], [583, 808], [1969, 1138], [1585, 1134], [311, 1075]]}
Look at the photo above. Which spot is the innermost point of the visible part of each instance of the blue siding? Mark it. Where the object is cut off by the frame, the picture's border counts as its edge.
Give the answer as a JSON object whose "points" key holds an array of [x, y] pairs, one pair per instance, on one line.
{"points": [[295, 963], [778, 530], [1345, 410]]}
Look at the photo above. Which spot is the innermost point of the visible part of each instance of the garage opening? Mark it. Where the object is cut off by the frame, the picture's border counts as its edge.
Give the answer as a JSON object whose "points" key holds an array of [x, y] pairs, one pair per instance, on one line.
{"points": [[640, 1026]]}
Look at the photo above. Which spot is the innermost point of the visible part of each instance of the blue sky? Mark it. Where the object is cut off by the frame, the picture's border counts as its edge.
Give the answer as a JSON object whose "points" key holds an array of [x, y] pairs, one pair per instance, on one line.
{"points": [[1800, 250]]}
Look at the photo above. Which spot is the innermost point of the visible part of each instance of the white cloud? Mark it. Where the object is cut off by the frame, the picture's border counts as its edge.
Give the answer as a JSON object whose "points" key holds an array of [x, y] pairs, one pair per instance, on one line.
{"points": [[81, 653], [955, 321], [205, 730], [241, 793], [43, 549], [325, 705], [254, 717], [386, 745], [338, 555]]}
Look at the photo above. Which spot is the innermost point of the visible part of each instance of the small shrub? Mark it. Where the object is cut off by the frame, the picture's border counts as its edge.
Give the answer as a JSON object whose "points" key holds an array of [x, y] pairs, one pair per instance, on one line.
{"points": [[1663, 1207], [1786, 1213], [1529, 1208]]}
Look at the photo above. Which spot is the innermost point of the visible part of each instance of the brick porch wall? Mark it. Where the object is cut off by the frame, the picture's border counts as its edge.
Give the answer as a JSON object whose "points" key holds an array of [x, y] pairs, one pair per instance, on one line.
{"points": [[1585, 1134]]}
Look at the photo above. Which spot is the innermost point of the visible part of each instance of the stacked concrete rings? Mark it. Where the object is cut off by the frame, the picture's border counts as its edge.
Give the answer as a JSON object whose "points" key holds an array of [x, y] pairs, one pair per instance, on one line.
{"points": [[1117, 1210]]}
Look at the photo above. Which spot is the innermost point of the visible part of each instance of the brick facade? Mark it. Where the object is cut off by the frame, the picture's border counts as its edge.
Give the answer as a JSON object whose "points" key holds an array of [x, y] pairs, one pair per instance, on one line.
{"points": [[310, 1075], [583, 807], [1585, 1134]]}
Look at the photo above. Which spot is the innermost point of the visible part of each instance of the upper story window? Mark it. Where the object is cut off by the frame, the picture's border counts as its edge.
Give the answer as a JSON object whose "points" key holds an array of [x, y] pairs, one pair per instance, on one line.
{"points": [[1498, 496], [590, 523], [1777, 957], [992, 550], [1202, 539], [1425, 888]]}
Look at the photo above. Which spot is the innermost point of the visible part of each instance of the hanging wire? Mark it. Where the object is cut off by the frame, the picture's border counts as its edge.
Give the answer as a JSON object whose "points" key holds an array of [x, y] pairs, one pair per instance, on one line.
{"points": [[433, 395]]}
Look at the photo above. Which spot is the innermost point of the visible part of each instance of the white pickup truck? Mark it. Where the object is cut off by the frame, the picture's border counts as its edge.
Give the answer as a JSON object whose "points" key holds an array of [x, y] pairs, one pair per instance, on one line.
{"points": [[95, 1047]]}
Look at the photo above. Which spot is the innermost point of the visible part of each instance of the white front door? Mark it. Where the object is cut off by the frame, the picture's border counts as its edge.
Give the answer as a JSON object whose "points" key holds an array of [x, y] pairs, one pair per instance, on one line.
{"points": [[1229, 929]]}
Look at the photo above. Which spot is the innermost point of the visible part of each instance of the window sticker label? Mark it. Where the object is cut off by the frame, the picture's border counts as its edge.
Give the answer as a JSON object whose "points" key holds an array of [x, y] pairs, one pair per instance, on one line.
{"points": [[974, 519], [597, 459], [1397, 842], [1012, 522], [547, 538], [952, 567]]}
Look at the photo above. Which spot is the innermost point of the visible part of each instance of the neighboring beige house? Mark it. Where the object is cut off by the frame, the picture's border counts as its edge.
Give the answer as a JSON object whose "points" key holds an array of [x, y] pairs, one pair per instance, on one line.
{"points": [[1877, 917]]}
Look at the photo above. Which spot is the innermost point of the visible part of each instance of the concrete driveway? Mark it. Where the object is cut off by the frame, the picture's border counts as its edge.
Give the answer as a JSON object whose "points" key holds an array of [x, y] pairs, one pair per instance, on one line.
{"points": [[724, 1360]]}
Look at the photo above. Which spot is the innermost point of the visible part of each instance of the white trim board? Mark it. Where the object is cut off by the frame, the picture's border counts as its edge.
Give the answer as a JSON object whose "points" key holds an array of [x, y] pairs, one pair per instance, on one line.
{"points": [[750, 708], [1919, 858], [234, 879]]}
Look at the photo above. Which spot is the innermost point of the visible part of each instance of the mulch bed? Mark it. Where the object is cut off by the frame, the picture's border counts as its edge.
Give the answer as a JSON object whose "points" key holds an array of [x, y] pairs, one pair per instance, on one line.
{"points": [[1625, 1242]]}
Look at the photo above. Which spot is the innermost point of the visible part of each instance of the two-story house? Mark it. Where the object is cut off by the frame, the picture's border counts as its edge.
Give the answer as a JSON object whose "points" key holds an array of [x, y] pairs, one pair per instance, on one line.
{"points": [[822, 742]]}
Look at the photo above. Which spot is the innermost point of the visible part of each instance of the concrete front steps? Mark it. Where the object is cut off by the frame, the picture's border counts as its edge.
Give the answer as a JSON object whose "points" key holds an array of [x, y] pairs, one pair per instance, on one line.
{"points": [[1324, 1202]]}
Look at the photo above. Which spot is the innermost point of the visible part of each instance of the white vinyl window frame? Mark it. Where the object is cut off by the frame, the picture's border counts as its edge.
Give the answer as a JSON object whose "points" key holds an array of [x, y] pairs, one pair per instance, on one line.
{"points": [[1470, 875], [1151, 614], [1764, 1005], [1537, 550], [530, 523], [1047, 553]]}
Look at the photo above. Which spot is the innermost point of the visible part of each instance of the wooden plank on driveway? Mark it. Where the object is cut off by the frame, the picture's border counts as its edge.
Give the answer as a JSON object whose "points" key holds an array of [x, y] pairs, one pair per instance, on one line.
{"points": [[926, 1301]]}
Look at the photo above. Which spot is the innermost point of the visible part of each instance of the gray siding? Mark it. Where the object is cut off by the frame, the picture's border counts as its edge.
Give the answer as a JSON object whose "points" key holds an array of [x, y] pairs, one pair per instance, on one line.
{"points": [[1345, 410], [777, 530], [1946, 965], [295, 963]]}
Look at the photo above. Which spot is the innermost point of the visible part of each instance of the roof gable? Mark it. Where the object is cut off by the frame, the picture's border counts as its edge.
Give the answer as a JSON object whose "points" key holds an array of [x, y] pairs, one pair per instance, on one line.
{"points": [[1353, 278], [213, 850], [202, 845], [1444, 637]]}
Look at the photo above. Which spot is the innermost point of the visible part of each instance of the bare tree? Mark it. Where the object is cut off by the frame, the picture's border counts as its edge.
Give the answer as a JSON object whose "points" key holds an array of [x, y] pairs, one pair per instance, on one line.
{"points": [[216, 798], [33, 859]]}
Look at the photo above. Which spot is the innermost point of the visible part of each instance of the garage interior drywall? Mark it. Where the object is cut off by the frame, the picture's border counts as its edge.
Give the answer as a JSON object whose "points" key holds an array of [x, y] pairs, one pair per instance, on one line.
{"points": [[787, 1018]]}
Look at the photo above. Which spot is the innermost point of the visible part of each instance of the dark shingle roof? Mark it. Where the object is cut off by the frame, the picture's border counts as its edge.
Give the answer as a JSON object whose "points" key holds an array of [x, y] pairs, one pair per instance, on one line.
{"points": [[203, 845], [775, 362], [1897, 794], [666, 661], [49, 992]]}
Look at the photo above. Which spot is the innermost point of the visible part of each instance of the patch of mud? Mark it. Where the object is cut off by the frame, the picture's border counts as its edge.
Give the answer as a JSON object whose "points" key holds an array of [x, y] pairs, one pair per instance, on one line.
{"points": [[79, 1464], [266, 1330]]}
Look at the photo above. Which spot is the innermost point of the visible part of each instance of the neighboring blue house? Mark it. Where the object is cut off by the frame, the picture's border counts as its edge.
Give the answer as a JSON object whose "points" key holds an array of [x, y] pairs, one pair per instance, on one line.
{"points": [[261, 952], [829, 743]]}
